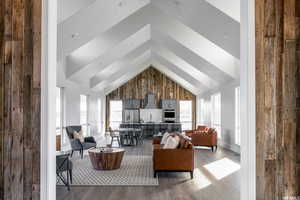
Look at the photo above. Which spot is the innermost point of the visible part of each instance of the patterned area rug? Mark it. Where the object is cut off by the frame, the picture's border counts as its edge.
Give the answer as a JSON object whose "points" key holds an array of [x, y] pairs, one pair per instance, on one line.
{"points": [[134, 171]]}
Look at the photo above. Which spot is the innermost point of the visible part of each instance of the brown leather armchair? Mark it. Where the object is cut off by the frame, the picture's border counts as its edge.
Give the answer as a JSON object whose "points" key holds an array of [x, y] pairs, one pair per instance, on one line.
{"points": [[203, 138], [176, 160]]}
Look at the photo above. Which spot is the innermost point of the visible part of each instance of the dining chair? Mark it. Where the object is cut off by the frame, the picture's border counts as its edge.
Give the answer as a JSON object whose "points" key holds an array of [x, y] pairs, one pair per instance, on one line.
{"points": [[114, 136]]}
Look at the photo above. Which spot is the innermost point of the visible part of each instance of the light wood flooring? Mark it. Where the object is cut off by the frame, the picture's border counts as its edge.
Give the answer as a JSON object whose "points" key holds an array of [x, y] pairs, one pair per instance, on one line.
{"points": [[172, 186]]}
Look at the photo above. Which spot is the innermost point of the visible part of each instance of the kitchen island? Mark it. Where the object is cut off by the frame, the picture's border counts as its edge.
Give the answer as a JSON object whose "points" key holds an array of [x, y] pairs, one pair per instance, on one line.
{"points": [[152, 128]]}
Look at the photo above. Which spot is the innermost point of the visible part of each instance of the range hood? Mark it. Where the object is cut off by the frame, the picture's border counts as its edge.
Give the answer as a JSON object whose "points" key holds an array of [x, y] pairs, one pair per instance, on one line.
{"points": [[150, 101]]}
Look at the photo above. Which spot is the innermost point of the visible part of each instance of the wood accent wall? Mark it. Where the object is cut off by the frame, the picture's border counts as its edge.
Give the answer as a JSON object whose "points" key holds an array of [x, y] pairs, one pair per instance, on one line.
{"points": [[151, 80], [277, 98], [20, 99]]}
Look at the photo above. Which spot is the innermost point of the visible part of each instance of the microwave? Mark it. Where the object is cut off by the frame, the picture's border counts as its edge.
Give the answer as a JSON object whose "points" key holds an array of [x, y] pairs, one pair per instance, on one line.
{"points": [[169, 114]]}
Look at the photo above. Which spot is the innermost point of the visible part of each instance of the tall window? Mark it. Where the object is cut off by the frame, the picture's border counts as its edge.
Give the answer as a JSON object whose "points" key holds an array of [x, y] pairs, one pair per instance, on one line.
{"points": [[237, 116], [84, 113], [116, 108], [99, 123], [58, 111], [186, 118], [216, 112], [201, 110]]}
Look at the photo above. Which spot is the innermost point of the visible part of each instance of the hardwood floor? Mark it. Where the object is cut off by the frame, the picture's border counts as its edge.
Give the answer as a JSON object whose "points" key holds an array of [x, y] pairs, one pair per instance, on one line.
{"points": [[173, 186]]}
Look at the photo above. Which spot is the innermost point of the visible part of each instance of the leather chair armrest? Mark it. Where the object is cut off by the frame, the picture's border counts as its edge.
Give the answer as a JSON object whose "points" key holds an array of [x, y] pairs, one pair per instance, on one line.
{"points": [[156, 140]]}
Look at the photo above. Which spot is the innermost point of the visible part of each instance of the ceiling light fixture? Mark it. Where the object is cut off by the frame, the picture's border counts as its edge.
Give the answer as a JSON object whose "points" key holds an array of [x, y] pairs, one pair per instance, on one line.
{"points": [[75, 35], [121, 3], [177, 3]]}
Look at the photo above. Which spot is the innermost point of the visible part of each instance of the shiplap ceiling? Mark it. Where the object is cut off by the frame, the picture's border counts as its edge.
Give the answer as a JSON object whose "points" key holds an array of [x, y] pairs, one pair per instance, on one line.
{"points": [[103, 44]]}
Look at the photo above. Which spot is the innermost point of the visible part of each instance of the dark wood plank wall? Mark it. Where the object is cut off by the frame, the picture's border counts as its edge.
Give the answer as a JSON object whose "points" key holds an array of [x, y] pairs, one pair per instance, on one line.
{"points": [[151, 80], [20, 98], [277, 97]]}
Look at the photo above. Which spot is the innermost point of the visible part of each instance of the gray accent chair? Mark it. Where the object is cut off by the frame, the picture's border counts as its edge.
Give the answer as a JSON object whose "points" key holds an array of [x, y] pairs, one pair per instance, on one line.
{"points": [[89, 142], [63, 164]]}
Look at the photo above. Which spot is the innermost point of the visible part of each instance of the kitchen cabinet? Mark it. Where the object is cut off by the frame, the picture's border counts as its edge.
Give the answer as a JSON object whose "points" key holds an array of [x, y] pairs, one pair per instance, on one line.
{"points": [[169, 104]]}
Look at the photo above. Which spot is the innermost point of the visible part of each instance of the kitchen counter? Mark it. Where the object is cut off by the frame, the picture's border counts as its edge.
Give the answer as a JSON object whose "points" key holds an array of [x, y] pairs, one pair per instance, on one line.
{"points": [[151, 123], [153, 128]]}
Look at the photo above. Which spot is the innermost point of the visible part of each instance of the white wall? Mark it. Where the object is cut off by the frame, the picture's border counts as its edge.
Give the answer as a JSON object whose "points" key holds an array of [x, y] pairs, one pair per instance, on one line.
{"points": [[227, 114], [71, 98]]}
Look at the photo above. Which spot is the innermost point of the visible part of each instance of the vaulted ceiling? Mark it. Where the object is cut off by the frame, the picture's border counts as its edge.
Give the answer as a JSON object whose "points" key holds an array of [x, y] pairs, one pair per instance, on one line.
{"points": [[103, 44]]}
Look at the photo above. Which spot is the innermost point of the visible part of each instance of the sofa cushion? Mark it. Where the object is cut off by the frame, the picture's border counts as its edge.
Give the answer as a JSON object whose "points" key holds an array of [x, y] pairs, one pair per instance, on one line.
{"points": [[185, 142], [78, 135], [211, 130], [172, 142], [164, 138], [88, 145]]}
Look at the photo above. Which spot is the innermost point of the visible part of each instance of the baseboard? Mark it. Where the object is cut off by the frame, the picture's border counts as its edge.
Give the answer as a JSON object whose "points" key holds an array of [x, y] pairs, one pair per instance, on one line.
{"points": [[232, 147]]}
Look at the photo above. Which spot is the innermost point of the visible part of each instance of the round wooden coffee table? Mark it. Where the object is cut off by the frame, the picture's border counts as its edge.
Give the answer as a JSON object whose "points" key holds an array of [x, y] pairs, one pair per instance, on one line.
{"points": [[106, 158]]}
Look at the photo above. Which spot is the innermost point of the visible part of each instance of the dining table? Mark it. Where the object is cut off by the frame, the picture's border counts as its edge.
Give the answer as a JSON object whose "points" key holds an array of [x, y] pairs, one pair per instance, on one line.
{"points": [[128, 135]]}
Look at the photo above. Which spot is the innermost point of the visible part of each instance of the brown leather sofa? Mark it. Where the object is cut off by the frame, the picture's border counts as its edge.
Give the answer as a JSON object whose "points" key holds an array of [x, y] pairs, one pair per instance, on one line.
{"points": [[204, 136], [175, 160]]}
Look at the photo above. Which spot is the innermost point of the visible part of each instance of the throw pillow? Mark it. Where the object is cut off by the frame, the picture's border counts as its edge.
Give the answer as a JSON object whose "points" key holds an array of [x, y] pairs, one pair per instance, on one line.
{"points": [[172, 142], [211, 130], [185, 142], [181, 143], [79, 135], [164, 138]]}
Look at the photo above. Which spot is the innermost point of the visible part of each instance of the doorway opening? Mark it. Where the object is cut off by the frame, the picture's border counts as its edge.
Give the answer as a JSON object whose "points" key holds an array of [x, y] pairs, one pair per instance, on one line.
{"points": [[157, 57]]}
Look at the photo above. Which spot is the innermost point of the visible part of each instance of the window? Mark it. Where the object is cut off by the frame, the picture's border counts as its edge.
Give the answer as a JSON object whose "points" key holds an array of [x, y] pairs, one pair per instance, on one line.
{"points": [[84, 114], [99, 123], [201, 109], [116, 108], [58, 111], [237, 116], [216, 113], [186, 115]]}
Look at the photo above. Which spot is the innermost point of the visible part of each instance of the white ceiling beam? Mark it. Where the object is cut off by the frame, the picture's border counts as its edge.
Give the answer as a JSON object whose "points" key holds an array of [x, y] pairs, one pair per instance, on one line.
{"points": [[129, 66], [127, 76], [93, 50], [176, 78], [175, 30], [193, 59], [179, 72], [207, 20], [231, 8], [163, 69], [90, 67], [190, 46], [196, 43], [118, 64], [181, 64], [92, 21], [153, 15]]}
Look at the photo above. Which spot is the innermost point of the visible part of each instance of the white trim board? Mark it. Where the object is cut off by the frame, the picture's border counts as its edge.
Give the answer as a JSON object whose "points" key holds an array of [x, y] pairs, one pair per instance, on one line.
{"points": [[247, 77], [48, 100], [232, 147]]}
